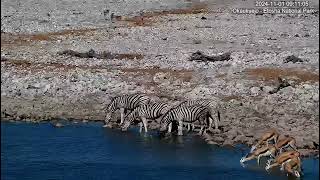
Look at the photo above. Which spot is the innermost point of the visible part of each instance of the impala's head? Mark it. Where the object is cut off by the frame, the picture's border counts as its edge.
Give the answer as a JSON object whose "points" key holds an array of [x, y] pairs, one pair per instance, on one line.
{"points": [[244, 158], [253, 148], [296, 173]]}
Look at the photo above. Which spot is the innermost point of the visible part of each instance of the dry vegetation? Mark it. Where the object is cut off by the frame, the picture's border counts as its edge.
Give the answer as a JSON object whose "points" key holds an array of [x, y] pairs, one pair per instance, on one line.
{"points": [[148, 18], [272, 74], [24, 65], [8, 39]]}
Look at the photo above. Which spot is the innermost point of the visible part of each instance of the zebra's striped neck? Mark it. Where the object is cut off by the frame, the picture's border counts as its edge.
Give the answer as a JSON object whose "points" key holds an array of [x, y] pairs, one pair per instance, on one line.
{"points": [[113, 106]]}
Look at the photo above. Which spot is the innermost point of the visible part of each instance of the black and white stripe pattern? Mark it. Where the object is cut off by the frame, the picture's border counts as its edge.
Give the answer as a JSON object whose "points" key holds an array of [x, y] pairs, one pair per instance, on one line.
{"points": [[185, 114], [124, 103], [145, 112], [212, 105]]}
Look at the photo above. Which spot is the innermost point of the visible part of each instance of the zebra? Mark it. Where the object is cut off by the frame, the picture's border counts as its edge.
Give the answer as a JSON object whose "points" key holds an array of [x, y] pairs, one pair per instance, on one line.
{"points": [[125, 102], [183, 114], [144, 112], [213, 106]]}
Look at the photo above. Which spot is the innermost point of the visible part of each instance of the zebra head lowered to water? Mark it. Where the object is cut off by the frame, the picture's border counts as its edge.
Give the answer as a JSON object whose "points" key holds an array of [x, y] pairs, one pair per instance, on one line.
{"points": [[123, 103], [145, 112], [185, 114]]}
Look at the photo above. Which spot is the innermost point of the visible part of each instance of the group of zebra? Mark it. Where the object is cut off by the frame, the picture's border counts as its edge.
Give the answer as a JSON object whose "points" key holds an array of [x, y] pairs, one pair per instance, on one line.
{"points": [[141, 108]]}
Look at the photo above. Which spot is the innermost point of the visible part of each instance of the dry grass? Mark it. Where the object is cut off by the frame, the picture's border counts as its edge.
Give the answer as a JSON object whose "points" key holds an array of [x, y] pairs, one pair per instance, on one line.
{"points": [[228, 98], [8, 39], [272, 74], [129, 56], [147, 18], [48, 67]]}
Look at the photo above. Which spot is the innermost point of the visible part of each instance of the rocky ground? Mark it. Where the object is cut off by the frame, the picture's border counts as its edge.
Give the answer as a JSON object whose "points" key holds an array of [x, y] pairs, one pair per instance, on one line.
{"points": [[149, 46]]}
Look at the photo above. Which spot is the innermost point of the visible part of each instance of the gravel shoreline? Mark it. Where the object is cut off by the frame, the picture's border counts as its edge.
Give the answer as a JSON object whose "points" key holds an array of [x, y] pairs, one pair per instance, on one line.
{"points": [[152, 52]]}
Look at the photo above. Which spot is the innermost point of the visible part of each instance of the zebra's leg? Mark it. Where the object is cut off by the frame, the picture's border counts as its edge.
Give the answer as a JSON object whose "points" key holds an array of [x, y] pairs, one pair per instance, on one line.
{"points": [[200, 132], [180, 128], [145, 124], [188, 126], [140, 128], [122, 115], [216, 125], [170, 127], [210, 120]]}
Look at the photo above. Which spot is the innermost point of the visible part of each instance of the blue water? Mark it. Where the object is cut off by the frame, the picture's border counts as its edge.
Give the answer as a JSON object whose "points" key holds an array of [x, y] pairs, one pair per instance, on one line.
{"points": [[88, 151]]}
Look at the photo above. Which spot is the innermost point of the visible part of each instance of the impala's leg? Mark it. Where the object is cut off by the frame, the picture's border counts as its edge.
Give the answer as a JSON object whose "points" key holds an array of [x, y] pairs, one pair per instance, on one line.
{"points": [[293, 146], [280, 151], [145, 124], [288, 169], [258, 159], [274, 140], [272, 165], [122, 115], [269, 162]]}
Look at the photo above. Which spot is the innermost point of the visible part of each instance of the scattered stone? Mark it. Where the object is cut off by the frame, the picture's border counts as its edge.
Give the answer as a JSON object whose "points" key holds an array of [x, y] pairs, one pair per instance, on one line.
{"points": [[4, 59], [255, 90], [104, 55], [215, 131], [212, 142], [196, 41], [282, 84], [199, 56], [292, 59], [58, 125]]}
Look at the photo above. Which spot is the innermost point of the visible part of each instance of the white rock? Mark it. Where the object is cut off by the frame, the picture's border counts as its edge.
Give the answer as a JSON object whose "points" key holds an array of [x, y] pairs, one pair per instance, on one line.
{"points": [[315, 98], [255, 90]]}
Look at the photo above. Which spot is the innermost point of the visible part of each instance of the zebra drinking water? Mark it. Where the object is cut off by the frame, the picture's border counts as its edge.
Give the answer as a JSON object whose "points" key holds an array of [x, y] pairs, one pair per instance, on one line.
{"points": [[145, 112], [212, 105], [125, 102], [185, 114]]}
